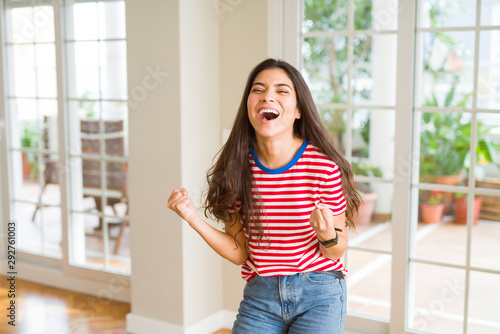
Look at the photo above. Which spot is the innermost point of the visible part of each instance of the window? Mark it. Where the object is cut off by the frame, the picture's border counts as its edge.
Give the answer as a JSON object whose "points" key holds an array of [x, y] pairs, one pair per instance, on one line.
{"points": [[68, 116], [346, 53], [457, 133], [98, 140], [33, 110], [349, 51]]}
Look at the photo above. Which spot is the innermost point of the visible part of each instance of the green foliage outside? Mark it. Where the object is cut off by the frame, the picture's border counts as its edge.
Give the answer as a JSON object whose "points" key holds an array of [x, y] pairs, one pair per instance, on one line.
{"points": [[30, 136], [325, 58], [445, 137]]}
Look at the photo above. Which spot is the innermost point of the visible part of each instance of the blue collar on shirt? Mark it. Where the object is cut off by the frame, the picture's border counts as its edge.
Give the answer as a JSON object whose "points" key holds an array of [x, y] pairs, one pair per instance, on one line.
{"points": [[284, 168]]}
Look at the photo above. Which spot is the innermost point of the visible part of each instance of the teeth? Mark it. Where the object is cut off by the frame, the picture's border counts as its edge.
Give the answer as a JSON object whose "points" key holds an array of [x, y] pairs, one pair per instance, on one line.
{"points": [[272, 111]]}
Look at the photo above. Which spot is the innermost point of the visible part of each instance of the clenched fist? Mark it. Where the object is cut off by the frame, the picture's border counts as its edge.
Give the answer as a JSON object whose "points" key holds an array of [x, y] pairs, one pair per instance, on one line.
{"points": [[322, 222], [181, 203]]}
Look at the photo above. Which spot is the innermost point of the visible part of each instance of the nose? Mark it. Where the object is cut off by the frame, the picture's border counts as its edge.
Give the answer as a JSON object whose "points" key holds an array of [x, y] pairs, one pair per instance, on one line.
{"points": [[268, 98]]}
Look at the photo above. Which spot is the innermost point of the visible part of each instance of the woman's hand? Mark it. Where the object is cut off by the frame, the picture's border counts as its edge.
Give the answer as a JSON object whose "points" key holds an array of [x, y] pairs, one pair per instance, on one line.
{"points": [[181, 203], [322, 222]]}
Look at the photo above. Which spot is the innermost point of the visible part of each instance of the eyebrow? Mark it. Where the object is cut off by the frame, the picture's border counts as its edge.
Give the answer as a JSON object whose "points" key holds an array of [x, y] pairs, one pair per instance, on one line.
{"points": [[276, 85]]}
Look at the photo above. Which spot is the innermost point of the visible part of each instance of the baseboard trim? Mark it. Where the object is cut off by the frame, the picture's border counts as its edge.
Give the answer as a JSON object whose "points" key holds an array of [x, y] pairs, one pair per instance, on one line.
{"points": [[56, 278], [138, 324], [229, 318]]}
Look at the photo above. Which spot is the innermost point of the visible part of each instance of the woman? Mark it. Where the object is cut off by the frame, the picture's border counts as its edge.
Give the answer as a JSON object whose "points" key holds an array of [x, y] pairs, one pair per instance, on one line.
{"points": [[286, 196]]}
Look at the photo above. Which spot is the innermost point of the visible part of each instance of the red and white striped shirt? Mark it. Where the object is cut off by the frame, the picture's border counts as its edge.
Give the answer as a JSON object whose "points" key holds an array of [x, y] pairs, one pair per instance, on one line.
{"points": [[288, 195]]}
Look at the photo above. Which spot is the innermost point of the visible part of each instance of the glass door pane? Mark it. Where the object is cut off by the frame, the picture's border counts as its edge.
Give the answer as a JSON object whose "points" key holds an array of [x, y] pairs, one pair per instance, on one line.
{"points": [[33, 113], [455, 196], [349, 63], [98, 138]]}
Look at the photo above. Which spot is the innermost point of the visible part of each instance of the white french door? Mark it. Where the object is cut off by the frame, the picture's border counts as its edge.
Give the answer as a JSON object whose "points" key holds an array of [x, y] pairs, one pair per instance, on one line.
{"points": [[67, 128], [409, 91]]}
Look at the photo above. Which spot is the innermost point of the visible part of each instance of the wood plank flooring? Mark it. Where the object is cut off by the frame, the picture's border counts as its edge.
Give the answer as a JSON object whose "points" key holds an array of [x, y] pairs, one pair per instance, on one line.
{"points": [[46, 310], [43, 310]]}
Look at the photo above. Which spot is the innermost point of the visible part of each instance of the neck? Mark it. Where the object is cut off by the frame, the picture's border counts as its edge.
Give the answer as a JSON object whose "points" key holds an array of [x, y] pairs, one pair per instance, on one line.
{"points": [[276, 153]]}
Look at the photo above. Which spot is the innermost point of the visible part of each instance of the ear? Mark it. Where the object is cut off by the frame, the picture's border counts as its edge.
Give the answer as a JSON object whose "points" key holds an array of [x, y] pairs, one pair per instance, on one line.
{"points": [[298, 114]]}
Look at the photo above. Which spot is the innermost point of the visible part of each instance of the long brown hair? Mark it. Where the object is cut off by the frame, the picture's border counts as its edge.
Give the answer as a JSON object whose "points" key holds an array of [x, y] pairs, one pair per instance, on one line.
{"points": [[230, 178]]}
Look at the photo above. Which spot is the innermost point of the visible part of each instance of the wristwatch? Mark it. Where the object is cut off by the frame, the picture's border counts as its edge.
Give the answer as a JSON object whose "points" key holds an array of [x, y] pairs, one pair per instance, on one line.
{"points": [[331, 242]]}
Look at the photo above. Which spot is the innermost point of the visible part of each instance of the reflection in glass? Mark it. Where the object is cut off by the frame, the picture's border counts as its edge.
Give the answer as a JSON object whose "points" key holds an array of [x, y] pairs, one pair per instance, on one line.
{"points": [[86, 70], [112, 19], [325, 68], [84, 21], [319, 16], [445, 72], [488, 90], [24, 71], [490, 12], [446, 13], [113, 70], [374, 61], [18, 30], [46, 70], [437, 298], [44, 24]]}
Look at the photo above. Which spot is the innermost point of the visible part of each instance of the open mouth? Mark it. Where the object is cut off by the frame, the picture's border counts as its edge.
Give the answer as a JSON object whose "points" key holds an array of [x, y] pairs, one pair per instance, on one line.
{"points": [[268, 114]]}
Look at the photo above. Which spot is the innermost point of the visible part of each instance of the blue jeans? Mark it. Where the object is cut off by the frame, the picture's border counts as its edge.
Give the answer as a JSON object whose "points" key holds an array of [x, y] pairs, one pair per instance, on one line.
{"points": [[313, 302]]}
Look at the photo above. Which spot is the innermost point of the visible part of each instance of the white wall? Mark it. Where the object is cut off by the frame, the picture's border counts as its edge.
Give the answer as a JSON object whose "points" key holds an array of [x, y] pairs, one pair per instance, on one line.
{"points": [[200, 141], [243, 44], [155, 164], [174, 132]]}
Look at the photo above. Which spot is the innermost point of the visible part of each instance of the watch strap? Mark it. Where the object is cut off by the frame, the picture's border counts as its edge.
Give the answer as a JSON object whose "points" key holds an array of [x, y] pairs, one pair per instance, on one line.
{"points": [[331, 242]]}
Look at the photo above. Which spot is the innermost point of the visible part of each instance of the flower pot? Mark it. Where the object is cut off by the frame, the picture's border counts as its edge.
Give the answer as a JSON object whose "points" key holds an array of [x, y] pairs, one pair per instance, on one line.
{"points": [[450, 180], [432, 213], [461, 210], [365, 212], [27, 166]]}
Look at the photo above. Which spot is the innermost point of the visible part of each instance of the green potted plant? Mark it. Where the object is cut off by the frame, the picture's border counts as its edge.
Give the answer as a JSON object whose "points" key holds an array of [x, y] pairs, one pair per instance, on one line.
{"points": [[29, 139], [365, 212], [445, 142], [432, 207]]}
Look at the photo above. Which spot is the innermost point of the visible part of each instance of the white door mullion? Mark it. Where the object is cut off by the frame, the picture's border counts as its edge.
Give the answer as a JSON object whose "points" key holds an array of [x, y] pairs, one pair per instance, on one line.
{"points": [[350, 70], [5, 200], [102, 145], [471, 178], [402, 165], [62, 164]]}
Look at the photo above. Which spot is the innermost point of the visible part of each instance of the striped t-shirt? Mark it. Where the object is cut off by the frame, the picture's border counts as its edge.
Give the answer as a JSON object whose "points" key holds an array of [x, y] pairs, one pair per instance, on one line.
{"points": [[288, 195]]}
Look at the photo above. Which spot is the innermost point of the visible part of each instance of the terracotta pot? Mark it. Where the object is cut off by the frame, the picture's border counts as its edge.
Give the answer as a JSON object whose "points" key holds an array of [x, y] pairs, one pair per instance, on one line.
{"points": [[432, 213], [365, 212], [461, 210], [27, 166], [450, 180]]}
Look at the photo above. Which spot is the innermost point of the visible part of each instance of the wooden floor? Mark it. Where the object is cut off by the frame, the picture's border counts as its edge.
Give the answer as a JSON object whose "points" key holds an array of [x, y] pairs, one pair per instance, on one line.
{"points": [[43, 310], [46, 310]]}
